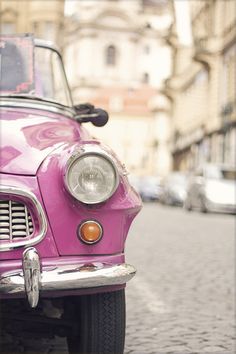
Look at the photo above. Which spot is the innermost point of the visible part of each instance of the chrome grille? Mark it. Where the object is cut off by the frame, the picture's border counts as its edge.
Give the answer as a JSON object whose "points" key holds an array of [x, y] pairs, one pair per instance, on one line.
{"points": [[15, 220]]}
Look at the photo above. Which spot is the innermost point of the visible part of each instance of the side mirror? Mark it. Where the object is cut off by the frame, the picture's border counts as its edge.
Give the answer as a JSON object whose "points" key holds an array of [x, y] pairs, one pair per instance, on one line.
{"points": [[88, 113], [101, 117]]}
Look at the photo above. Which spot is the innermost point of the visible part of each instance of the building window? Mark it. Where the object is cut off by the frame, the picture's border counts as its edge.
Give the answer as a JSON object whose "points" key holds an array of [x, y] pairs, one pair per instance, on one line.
{"points": [[8, 28], [111, 55], [145, 79]]}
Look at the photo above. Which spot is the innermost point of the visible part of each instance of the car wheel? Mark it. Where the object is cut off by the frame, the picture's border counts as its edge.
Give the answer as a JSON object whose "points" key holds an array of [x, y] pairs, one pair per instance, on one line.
{"points": [[169, 200], [99, 324], [187, 205], [203, 207]]}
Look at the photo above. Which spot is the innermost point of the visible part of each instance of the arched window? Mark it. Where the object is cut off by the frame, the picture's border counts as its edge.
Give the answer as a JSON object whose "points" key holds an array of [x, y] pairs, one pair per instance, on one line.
{"points": [[111, 54]]}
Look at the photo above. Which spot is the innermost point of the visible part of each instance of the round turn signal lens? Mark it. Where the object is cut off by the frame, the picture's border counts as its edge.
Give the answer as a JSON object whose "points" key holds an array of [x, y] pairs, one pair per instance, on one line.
{"points": [[90, 232]]}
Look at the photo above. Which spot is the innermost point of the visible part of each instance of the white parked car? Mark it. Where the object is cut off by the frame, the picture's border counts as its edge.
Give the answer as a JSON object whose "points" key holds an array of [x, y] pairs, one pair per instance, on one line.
{"points": [[212, 188], [174, 189]]}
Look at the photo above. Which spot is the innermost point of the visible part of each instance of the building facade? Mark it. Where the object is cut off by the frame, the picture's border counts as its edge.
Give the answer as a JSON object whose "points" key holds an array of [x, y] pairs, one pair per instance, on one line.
{"points": [[203, 87], [117, 58], [43, 18]]}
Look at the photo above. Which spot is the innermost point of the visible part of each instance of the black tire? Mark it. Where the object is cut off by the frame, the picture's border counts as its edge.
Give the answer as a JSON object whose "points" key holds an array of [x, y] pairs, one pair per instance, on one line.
{"points": [[187, 205], [99, 324], [203, 207]]}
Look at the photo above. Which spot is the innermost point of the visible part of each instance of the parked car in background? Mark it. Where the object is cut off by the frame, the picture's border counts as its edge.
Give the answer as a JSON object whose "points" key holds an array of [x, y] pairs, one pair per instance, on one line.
{"points": [[174, 189], [212, 188], [66, 206], [135, 181], [150, 188]]}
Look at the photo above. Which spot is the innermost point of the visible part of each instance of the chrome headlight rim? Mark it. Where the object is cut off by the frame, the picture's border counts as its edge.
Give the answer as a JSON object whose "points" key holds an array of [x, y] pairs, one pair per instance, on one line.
{"points": [[88, 151]]}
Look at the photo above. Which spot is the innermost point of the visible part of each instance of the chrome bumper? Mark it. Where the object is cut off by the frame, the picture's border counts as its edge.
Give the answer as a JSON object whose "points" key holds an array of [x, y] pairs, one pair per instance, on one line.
{"points": [[33, 280]]}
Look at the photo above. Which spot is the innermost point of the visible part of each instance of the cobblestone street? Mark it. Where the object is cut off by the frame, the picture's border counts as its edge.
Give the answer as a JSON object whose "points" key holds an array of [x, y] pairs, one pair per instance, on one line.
{"points": [[182, 298]]}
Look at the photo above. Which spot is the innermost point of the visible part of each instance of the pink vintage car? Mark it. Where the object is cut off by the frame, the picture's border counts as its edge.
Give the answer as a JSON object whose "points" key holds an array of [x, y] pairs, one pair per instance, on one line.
{"points": [[66, 204]]}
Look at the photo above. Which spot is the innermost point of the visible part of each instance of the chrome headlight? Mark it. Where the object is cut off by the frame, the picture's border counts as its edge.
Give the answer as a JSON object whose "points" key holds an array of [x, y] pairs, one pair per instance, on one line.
{"points": [[91, 177]]}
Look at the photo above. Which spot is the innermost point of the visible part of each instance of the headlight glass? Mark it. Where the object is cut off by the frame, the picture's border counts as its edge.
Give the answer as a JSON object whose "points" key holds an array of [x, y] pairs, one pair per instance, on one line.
{"points": [[92, 178]]}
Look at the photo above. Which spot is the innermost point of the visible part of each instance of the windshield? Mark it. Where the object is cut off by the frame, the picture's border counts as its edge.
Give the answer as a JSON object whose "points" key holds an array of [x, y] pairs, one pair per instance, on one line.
{"points": [[32, 71], [50, 81]]}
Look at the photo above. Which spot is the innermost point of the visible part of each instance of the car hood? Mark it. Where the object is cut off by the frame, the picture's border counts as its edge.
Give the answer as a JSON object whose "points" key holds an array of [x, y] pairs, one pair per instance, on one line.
{"points": [[28, 138]]}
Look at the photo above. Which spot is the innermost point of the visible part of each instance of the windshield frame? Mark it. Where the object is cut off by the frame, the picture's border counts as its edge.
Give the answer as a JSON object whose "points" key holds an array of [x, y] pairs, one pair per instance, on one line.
{"points": [[41, 101], [48, 45]]}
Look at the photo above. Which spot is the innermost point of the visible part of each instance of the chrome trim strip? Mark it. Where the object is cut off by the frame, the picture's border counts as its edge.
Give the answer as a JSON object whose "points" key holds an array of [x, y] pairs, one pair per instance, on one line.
{"points": [[88, 150], [12, 102], [9, 246], [26, 220], [69, 277], [10, 219]]}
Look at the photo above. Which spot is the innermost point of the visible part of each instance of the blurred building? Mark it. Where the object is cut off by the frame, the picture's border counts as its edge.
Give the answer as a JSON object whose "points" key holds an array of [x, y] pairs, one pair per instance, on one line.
{"points": [[43, 18], [203, 87], [117, 57]]}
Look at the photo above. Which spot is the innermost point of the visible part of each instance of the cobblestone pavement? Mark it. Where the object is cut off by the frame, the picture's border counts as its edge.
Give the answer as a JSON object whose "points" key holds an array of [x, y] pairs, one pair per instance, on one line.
{"points": [[182, 298]]}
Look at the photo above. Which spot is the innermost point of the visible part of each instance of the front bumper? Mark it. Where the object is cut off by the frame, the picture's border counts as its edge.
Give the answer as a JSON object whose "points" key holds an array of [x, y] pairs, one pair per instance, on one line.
{"points": [[33, 280]]}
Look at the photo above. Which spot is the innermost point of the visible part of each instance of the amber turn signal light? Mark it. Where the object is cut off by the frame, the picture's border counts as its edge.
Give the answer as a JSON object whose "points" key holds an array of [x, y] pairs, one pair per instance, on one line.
{"points": [[90, 232]]}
